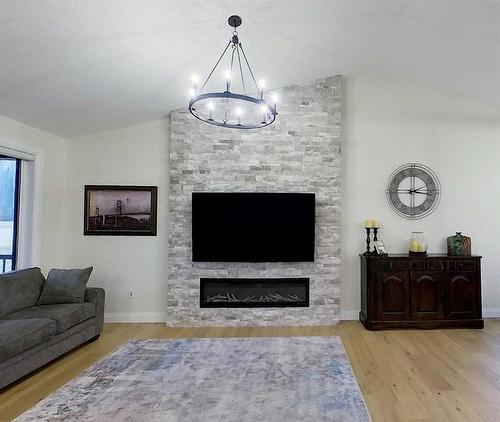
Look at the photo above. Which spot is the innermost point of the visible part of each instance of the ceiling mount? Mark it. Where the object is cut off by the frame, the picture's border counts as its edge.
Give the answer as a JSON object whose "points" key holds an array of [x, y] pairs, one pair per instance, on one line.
{"points": [[234, 21]]}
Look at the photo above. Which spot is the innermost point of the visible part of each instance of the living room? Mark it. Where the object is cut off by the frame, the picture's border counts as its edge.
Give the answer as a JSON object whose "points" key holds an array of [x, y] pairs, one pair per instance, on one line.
{"points": [[103, 109]]}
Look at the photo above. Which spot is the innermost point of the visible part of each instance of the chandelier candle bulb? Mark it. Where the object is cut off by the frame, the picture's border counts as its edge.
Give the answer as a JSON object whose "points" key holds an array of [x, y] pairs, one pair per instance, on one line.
{"points": [[274, 99], [210, 110], [227, 77], [239, 112], [263, 109], [262, 85]]}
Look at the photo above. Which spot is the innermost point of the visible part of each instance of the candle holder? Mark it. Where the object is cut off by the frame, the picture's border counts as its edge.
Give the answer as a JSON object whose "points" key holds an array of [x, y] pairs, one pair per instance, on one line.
{"points": [[418, 244], [375, 231], [368, 230]]}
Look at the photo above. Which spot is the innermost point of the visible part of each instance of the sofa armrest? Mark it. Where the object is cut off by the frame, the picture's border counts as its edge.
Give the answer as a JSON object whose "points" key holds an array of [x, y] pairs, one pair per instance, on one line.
{"points": [[96, 295]]}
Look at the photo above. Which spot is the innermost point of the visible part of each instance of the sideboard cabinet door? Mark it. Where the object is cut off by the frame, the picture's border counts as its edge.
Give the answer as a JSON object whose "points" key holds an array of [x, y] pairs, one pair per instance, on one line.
{"points": [[393, 296], [426, 294], [462, 300]]}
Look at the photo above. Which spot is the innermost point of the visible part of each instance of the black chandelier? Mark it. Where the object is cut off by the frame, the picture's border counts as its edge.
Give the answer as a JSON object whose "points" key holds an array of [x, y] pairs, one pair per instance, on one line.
{"points": [[231, 109]]}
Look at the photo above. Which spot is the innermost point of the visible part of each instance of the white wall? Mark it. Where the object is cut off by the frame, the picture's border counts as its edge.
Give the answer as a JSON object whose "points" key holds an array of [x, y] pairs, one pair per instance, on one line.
{"points": [[50, 162], [390, 123], [136, 155]]}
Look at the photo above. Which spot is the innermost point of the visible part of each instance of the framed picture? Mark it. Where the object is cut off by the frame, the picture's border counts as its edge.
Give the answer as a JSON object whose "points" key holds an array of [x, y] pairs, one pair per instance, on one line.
{"points": [[120, 210], [380, 247]]}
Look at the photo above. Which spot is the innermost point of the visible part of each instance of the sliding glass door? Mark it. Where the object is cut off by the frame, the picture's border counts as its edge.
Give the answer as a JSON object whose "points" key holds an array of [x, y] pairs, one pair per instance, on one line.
{"points": [[10, 176]]}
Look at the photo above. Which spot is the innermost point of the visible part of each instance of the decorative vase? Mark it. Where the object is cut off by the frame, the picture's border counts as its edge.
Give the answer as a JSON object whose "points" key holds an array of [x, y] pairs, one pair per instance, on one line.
{"points": [[459, 245], [418, 244]]}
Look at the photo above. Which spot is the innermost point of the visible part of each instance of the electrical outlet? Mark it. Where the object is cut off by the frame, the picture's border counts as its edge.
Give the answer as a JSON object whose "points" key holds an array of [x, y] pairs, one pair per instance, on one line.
{"points": [[130, 294]]}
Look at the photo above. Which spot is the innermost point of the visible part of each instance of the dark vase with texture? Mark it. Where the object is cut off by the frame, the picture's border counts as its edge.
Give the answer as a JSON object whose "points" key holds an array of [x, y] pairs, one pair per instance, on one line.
{"points": [[459, 245]]}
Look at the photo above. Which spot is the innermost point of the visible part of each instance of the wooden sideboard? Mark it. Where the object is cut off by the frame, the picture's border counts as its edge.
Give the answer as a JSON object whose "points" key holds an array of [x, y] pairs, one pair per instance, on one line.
{"points": [[435, 291]]}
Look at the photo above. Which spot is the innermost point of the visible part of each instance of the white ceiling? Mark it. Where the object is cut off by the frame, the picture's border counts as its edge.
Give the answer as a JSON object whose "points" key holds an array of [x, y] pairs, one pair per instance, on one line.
{"points": [[77, 67]]}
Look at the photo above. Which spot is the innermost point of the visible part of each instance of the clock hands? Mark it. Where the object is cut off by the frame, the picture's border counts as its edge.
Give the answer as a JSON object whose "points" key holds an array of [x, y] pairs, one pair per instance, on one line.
{"points": [[412, 191]]}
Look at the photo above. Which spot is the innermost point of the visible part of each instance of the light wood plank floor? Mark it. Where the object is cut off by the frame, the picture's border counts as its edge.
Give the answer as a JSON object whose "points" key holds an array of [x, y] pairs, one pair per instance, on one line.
{"points": [[419, 376]]}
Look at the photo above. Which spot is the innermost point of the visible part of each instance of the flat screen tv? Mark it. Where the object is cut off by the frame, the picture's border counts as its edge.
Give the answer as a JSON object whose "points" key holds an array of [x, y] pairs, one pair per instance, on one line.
{"points": [[253, 227]]}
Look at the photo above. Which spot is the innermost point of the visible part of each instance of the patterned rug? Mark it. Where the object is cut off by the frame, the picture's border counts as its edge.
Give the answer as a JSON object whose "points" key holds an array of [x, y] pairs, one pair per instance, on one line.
{"points": [[240, 379]]}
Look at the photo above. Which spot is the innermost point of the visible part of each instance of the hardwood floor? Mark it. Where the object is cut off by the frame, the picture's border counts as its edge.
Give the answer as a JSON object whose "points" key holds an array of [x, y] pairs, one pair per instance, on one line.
{"points": [[419, 376]]}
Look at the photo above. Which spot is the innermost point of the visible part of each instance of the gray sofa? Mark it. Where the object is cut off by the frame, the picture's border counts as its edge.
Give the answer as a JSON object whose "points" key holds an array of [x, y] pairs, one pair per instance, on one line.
{"points": [[32, 335]]}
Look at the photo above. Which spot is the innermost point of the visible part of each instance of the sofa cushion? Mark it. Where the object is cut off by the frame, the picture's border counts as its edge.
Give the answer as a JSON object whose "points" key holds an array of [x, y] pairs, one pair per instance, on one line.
{"points": [[20, 289], [65, 286], [65, 315], [19, 335]]}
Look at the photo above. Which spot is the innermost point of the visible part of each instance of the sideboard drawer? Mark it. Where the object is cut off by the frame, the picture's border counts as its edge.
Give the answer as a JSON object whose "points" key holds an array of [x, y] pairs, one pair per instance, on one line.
{"points": [[468, 265], [385, 266], [419, 265], [390, 266], [438, 265]]}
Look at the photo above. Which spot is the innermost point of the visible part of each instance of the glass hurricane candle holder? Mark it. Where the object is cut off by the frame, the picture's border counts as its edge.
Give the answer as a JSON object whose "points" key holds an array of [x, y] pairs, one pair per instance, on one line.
{"points": [[418, 244]]}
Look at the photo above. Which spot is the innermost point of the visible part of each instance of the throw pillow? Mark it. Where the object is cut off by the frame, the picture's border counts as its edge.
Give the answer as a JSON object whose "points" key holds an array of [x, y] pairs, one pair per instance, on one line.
{"points": [[65, 286]]}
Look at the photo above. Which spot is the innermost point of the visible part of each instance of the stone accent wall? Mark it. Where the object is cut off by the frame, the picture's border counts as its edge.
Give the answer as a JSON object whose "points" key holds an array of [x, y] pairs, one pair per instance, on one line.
{"points": [[300, 152]]}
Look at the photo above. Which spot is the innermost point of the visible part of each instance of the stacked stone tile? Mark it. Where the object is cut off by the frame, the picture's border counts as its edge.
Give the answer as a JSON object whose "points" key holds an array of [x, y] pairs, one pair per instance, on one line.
{"points": [[300, 152]]}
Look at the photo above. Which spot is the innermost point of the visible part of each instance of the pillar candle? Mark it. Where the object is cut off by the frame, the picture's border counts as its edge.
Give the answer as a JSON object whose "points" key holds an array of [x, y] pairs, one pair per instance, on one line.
{"points": [[368, 224]]}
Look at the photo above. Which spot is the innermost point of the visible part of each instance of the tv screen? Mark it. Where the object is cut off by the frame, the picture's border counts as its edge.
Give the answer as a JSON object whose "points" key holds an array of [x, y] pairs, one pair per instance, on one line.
{"points": [[253, 227]]}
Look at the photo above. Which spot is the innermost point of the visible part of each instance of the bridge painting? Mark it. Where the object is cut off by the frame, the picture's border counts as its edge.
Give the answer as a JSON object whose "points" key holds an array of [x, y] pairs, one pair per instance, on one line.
{"points": [[120, 210]]}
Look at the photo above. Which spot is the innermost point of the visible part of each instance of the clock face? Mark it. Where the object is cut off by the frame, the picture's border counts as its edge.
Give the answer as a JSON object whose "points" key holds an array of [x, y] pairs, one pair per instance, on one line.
{"points": [[413, 191]]}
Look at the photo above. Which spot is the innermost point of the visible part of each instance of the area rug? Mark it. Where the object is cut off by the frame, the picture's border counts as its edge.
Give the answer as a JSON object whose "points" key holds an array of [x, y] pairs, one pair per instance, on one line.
{"points": [[239, 379]]}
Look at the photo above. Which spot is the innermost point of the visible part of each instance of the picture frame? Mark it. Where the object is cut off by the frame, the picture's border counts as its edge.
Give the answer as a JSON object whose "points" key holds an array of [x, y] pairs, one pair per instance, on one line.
{"points": [[380, 248], [116, 210]]}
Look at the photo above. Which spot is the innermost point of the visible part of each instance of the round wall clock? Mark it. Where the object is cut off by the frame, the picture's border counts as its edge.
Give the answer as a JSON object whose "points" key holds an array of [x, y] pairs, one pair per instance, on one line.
{"points": [[413, 191]]}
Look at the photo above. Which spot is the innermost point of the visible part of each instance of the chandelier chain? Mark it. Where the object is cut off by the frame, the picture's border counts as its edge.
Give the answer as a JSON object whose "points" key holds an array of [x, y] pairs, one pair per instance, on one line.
{"points": [[228, 84], [230, 69], [249, 68], [241, 70], [216, 64]]}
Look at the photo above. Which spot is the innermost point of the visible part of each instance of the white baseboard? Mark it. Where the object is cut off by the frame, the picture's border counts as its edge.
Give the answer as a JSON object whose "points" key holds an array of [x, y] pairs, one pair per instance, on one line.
{"points": [[493, 312], [131, 317], [352, 315]]}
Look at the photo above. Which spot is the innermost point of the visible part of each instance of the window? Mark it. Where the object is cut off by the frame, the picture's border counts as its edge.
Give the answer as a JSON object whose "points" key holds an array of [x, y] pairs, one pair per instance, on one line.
{"points": [[10, 176]]}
